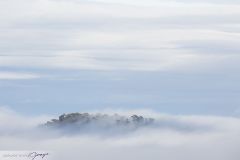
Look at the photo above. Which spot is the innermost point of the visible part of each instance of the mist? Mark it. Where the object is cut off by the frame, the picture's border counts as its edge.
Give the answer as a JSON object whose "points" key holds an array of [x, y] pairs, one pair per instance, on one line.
{"points": [[171, 137]]}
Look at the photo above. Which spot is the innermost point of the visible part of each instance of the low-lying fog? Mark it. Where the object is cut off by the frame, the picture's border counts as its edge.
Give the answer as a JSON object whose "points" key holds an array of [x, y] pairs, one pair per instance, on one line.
{"points": [[169, 137]]}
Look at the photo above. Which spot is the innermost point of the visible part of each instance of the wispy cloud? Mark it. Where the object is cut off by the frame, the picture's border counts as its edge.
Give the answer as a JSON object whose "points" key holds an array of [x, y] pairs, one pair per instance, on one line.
{"points": [[105, 35], [17, 75]]}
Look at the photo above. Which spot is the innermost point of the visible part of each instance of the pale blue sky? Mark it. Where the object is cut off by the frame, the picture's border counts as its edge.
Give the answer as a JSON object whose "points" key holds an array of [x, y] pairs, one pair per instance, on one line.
{"points": [[75, 55]]}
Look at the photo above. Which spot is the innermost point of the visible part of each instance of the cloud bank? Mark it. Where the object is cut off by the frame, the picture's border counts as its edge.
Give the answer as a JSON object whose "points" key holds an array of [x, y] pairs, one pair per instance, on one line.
{"points": [[112, 35], [214, 138]]}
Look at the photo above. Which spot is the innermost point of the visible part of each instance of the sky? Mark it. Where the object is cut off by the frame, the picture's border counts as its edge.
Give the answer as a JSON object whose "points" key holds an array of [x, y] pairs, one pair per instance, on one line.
{"points": [[174, 57], [175, 61]]}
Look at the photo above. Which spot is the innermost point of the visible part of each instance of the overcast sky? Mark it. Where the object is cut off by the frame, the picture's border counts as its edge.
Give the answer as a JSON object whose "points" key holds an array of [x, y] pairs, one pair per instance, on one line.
{"points": [[179, 57]]}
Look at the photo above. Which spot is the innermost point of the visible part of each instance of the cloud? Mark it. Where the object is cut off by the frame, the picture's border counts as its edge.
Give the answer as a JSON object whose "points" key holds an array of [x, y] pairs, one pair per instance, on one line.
{"points": [[17, 76], [220, 142], [159, 2], [113, 36], [11, 120]]}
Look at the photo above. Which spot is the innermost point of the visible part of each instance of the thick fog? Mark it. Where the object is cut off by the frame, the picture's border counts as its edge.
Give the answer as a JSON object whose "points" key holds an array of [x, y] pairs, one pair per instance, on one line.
{"points": [[171, 137]]}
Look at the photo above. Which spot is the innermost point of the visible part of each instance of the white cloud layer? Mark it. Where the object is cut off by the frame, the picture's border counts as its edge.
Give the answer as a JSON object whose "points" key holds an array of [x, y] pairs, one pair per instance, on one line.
{"points": [[215, 138], [116, 35], [17, 76]]}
